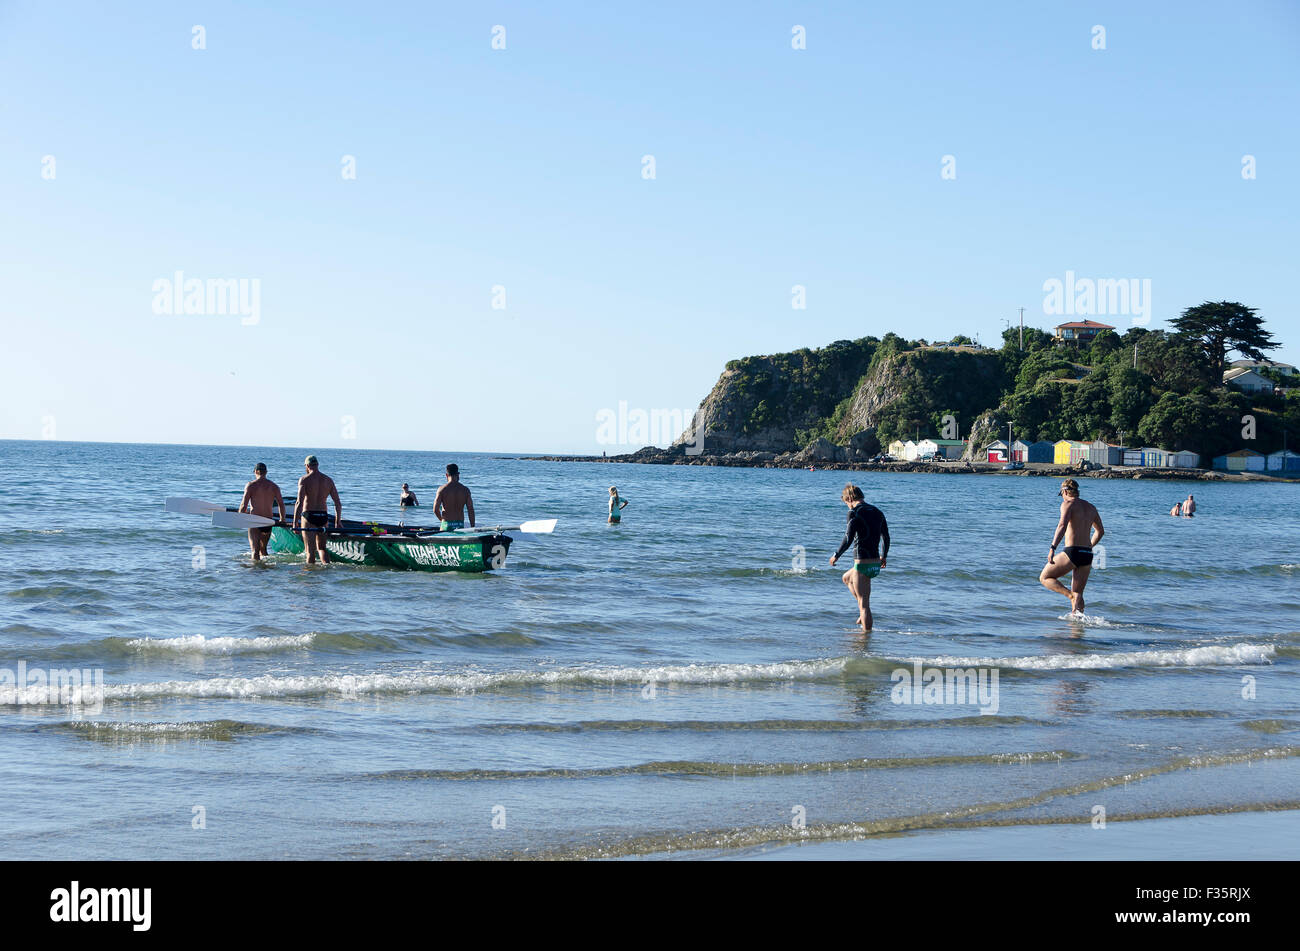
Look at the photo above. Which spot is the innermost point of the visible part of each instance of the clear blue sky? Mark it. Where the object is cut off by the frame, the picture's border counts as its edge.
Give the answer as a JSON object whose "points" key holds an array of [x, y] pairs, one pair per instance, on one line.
{"points": [[522, 167]]}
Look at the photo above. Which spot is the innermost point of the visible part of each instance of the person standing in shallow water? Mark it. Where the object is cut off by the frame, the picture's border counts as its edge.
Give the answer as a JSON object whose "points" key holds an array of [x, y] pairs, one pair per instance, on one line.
{"points": [[452, 500], [616, 506], [1079, 529], [867, 529], [261, 497]]}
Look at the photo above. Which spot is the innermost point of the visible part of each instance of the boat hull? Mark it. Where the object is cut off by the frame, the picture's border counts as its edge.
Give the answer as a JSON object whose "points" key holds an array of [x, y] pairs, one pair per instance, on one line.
{"points": [[450, 551]]}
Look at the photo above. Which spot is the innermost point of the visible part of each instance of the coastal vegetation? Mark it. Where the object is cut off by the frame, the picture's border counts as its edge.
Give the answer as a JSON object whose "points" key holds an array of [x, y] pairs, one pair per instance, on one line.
{"points": [[1140, 387]]}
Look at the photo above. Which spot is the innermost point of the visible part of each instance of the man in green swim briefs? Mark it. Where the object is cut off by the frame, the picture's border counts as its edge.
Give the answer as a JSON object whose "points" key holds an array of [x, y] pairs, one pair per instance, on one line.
{"points": [[867, 528], [452, 500]]}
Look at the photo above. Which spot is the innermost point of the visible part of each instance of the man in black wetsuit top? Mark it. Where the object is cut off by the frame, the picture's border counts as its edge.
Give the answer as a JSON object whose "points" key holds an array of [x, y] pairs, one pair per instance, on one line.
{"points": [[867, 528]]}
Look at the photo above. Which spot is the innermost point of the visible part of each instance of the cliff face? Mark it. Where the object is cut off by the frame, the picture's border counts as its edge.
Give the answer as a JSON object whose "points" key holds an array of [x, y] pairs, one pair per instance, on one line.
{"points": [[846, 401], [770, 403]]}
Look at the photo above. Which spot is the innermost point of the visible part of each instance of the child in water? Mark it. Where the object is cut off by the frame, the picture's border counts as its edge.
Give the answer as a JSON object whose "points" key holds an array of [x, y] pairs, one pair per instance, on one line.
{"points": [[616, 506]]}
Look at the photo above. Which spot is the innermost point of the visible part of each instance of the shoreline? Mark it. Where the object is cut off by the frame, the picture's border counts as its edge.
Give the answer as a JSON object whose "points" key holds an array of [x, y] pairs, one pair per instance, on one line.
{"points": [[758, 460]]}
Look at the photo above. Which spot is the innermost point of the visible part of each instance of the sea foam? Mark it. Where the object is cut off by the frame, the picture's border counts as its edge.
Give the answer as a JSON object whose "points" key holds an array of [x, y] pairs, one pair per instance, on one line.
{"points": [[199, 644]]}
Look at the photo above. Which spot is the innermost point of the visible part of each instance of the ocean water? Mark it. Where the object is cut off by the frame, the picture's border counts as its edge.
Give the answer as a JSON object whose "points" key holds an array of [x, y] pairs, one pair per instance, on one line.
{"points": [[686, 683]]}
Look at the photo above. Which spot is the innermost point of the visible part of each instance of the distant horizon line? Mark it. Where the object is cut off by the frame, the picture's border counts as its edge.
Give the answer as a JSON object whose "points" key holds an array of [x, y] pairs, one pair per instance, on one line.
{"points": [[308, 448]]}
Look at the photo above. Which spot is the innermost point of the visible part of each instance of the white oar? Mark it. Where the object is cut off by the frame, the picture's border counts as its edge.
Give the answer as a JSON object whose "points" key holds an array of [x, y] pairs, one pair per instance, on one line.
{"points": [[541, 526], [224, 519], [192, 506]]}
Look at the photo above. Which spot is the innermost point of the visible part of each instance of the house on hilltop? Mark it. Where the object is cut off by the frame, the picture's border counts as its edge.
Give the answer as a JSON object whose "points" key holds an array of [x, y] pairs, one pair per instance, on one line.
{"points": [[1248, 381], [1080, 331]]}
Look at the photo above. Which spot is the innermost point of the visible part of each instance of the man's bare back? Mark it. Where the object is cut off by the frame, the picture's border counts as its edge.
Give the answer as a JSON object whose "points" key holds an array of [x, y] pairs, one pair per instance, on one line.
{"points": [[451, 501], [261, 497], [1079, 516], [314, 490]]}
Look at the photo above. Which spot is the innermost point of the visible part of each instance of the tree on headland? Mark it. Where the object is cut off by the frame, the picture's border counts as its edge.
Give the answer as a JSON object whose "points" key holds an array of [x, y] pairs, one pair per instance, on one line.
{"points": [[1225, 326]]}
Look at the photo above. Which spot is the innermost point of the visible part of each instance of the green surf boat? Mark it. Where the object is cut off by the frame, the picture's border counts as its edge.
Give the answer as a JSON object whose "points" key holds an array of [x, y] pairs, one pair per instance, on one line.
{"points": [[391, 546]]}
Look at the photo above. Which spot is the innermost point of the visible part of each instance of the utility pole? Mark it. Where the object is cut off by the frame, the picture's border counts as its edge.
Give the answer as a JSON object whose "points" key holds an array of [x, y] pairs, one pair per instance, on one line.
{"points": [[1022, 328], [1135, 355]]}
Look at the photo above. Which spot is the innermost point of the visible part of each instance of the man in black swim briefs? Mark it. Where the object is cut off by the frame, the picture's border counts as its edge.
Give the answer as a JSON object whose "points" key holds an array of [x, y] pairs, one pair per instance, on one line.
{"points": [[1080, 520], [310, 513], [868, 528]]}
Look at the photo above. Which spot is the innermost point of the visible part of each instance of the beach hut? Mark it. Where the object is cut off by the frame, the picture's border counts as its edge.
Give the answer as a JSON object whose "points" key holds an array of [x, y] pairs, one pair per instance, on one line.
{"points": [[897, 449], [1019, 451], [1068, 452], [996, 452], [1131, 457], [1153, 458], [1041, 451], [1185, 459], [1239, 461], [1104, 454], [1284, 461], [1256, 461], [911, 450], [945, 448]]}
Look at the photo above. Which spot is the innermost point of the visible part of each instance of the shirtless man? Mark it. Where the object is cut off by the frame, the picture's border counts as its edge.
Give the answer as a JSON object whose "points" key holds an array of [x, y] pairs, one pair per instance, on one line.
{"points": [[1080, 521], [311, 511], [452, 500], [1189, 507], [261, 497]]}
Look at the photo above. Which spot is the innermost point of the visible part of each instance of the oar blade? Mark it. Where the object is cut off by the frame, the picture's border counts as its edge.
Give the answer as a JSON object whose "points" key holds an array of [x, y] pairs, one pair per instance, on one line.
{"points": [[541, 526], [192, 506], [224, 519]]}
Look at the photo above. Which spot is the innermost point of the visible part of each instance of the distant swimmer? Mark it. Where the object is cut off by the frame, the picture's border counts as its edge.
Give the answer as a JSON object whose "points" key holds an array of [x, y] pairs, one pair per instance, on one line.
{"points": [[867, 528], [1079, 520], [452, 500], [616, 505], [311, 510], [1189, 507], [261, 497], [1177, 509], [408, 497]]}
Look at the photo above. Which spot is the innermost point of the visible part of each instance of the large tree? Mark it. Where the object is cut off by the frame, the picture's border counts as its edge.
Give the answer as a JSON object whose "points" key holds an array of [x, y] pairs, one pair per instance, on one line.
{"points": [[1224, 326]]}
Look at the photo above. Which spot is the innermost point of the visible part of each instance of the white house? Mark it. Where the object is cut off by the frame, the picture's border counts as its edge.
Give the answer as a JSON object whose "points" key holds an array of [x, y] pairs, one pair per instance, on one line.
{"points": [[1247, 380], [1184, 459], [1283, 368]]}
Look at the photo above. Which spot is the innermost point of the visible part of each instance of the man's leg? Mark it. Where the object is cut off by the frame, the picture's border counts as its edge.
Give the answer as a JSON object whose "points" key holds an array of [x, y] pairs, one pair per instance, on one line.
{"points": [[309, 545], [254, 542], [1076, 586], [864, 601], [1058, 566]]}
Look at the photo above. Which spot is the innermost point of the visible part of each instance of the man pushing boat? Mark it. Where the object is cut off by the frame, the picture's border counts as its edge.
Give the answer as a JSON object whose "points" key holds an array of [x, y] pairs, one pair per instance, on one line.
{"points": [[452, 500], [868, 528], [311, 509], [1079, 529], [261, 497]]}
